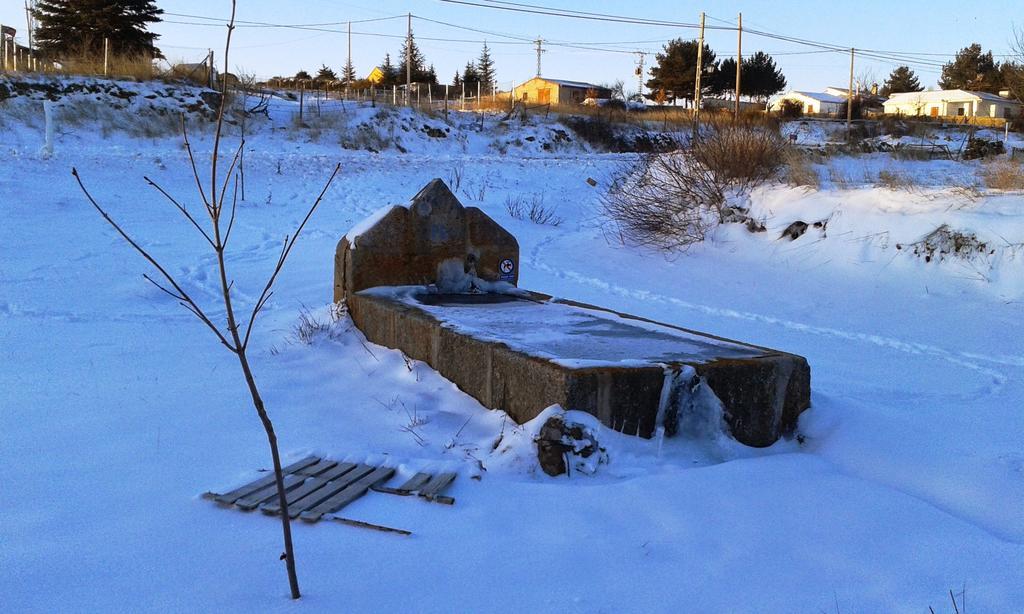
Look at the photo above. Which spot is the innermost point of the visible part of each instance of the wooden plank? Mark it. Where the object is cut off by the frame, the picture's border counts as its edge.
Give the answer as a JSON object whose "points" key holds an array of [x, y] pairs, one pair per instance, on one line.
{"points": [[367, 525], [348, 494], [253, 500], [230, 497], [411, 485], [436, 485], [333, 487], [317, 468], [311, 484]]}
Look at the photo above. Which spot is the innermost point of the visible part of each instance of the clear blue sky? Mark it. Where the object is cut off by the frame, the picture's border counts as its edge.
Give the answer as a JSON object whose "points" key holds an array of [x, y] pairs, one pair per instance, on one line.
{"points": [[937, 27]]}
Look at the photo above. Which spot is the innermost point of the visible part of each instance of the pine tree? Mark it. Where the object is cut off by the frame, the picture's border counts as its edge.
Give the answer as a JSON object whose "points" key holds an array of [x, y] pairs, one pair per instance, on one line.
{"points": [[431, 75], [325, 74], [470, 77], [390, 72], [485, 69], [900, 80], [761, 78], [302, 76], [972, 70], [676, 70], [348, 74], [78, 27], [412, 51], [457, 80]]}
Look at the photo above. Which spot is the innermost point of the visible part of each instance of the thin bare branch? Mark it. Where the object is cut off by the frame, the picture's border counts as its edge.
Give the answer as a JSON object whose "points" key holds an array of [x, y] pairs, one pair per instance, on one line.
{"points": [[229, 175], [220, 109], [231, 220], [164, 289], [181, 208], [192, 161], [182, 295], [289, 243]]}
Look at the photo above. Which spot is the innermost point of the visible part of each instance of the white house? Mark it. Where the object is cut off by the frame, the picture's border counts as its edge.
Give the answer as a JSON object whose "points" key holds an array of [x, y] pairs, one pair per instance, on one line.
{"points": [[952, 103], [812, 102]]}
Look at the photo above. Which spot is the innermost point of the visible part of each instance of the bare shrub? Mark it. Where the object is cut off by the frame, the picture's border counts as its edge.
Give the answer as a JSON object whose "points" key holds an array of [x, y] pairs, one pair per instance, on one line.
{"points": [[666, 201], [532, 209], [740, 156], [1003, 175], [838, 178], [672, 200]]}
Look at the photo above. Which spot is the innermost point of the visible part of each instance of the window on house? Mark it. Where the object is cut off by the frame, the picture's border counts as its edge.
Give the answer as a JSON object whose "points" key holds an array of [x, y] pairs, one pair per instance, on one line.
{"points": [[960, 112]]}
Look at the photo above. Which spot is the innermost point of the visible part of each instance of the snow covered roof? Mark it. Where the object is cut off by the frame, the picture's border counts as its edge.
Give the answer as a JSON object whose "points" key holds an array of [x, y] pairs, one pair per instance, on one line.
{"points": [[820, 96], [947, 96]]}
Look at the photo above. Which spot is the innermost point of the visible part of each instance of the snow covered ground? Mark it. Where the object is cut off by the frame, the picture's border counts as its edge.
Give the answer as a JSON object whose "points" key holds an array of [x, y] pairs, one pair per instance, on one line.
{"points": [[119, 410]]}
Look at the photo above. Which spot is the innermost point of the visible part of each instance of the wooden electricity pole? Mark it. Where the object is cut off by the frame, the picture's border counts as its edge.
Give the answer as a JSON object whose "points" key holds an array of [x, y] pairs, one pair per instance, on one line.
{"points": [[696, 87], [849, 98], [408, 61], [739, 63], [348, 65]]}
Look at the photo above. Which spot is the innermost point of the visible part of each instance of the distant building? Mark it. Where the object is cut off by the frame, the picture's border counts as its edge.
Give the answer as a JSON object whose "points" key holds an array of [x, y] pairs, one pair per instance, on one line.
{"points": [[870, 101], [953, 103], [812, 102], [376, 76], [541, 90]]}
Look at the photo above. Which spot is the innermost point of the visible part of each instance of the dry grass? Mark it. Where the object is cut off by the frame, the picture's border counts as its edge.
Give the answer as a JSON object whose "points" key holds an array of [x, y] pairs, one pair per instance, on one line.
{"points": [[895, 180], [532, 209], [799, 170], [1003, 175], [139, 68]]}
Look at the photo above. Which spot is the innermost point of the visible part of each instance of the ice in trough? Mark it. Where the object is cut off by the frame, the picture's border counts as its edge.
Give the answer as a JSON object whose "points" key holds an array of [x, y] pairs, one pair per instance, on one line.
{"points": [[437, 281]]}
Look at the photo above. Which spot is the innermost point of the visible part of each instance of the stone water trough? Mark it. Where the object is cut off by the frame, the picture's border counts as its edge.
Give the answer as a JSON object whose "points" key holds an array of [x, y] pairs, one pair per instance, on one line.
{"points": [[437, 281]]}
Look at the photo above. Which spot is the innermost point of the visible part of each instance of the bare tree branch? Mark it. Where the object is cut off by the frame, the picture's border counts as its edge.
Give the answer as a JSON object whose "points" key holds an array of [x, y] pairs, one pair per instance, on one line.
{"points": [[181, 208], [182, 295], [231, 220], [192, 161], [229, 175], [289, 243]]}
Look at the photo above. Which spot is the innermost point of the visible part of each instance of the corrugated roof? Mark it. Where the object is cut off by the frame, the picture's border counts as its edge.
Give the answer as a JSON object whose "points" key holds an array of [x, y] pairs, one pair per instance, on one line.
{"points": [[567, 83]]}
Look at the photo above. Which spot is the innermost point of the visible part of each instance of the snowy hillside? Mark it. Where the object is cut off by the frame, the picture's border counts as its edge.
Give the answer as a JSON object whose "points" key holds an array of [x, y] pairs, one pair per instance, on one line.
{"points": [[120, 410]]}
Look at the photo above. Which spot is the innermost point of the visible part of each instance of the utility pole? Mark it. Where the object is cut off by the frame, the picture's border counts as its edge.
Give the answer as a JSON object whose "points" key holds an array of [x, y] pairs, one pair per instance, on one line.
{"points": [[640, 75], [700, 70], [348, 65], [211, 78], [106, 55], [849, 98], [540, 50], [29, 24], [408, 61], [739, 63]]}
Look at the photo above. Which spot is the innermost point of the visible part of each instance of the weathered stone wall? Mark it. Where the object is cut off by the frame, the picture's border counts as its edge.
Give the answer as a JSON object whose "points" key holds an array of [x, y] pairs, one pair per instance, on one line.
{"points": [[409, 244]]}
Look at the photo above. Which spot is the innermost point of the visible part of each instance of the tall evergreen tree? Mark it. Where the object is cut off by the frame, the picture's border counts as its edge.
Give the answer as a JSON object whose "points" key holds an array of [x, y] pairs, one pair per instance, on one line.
{"points": [[972, 70], [71, 27], [348, 74], [761, 78], [676, 71], [900, 80], [419, 64], [485, 69], [430, 76], [390, 72], [457, 80]]}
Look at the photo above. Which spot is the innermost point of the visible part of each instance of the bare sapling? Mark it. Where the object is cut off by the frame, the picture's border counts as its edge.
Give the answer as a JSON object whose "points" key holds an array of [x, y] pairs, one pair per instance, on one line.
{"points": [[231, 333]]}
